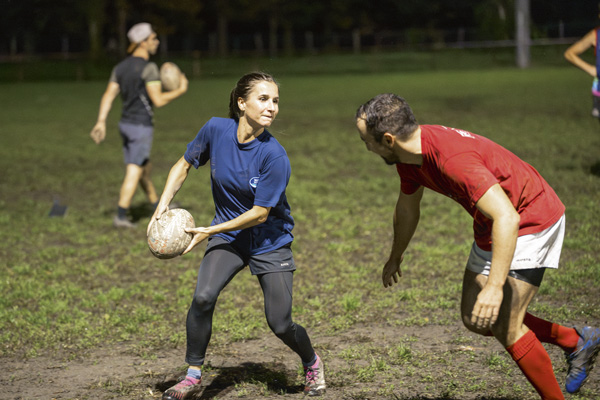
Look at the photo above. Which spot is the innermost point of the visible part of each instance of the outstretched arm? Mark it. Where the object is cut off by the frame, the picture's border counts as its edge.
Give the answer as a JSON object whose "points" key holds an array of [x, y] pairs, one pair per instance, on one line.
{"points": [[99, 130], [177, 175], [406, 219], [496, 205], [573, 52]]}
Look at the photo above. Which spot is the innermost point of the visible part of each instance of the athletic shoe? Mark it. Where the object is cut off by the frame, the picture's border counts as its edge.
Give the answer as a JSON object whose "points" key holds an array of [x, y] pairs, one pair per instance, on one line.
{"points": [[315, 379], [581, 361], [122, 223], [185, 389]]}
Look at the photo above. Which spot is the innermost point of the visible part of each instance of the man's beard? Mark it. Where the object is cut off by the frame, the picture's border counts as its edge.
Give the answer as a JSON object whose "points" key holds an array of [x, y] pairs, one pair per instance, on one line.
{"points": [[388, 162]]}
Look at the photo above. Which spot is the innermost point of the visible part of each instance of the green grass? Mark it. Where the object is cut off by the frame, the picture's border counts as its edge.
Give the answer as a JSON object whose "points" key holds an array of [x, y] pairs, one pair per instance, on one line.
{"points": [[330, 62], [71, 283]]}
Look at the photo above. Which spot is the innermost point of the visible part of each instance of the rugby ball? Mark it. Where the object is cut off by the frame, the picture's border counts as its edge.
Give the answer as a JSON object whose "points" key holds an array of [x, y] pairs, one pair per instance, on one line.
{"points": [[167, 237], [170, 76]]}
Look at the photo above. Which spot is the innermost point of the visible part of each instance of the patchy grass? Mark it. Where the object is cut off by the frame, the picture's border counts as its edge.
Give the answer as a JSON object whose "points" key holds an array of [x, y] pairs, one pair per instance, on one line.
{"points": [[71, 284]]}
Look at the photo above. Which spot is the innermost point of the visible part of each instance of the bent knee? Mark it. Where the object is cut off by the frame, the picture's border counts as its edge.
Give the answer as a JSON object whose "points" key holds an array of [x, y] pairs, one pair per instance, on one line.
{"points": [[281, 328], [204, 300]]}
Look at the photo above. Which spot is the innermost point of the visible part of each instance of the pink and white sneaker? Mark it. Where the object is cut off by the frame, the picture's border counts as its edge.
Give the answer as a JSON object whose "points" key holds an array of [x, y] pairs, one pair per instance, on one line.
{"points": [[315, 379], [185, 389]]}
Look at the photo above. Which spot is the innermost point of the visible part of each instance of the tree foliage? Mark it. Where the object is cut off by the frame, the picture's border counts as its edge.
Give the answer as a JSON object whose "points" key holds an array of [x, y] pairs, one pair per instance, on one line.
{"points": [[29, 26]]}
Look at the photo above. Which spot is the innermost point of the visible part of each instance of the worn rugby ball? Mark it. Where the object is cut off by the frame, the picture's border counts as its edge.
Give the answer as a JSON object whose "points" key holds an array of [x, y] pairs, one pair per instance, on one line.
{"points": [[170, 76], [167, 237]]}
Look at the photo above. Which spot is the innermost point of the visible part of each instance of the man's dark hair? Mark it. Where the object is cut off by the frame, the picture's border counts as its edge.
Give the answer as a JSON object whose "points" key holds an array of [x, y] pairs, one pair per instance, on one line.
{"points": [[387, 113]]}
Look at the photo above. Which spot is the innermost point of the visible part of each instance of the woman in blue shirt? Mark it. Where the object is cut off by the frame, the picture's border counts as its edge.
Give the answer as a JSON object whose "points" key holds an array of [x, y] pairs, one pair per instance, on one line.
{"points": [[252, 226]]}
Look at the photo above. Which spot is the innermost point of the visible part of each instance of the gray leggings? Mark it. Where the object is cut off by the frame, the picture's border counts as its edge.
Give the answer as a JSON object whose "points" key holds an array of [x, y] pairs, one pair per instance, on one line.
{"points": [[217, 269]]}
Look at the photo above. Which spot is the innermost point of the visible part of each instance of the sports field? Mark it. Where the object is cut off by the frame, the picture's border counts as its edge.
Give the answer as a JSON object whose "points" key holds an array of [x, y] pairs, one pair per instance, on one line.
{"points": [[86, 311]]}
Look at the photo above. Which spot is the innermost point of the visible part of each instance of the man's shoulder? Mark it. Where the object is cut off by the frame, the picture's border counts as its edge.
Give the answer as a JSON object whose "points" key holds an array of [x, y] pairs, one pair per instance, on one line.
{"points": [[129, 63]]}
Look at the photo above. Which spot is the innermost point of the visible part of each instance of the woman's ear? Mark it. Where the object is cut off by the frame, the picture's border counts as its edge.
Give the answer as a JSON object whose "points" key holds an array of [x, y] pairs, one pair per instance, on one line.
{"points": [[241, 104]]}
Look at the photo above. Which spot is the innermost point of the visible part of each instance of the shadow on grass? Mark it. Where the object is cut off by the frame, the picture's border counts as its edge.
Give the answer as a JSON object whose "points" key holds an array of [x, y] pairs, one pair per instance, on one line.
{"points": [[595, 168], [141, 211], [453, 398], [271, 377]]}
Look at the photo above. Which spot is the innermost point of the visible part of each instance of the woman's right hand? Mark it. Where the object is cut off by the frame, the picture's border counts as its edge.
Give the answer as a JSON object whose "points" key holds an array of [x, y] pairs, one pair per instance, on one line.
{"points": [[160, 210]]}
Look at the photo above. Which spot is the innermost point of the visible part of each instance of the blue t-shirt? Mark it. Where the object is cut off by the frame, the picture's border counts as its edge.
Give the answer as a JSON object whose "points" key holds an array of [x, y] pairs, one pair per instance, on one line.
{"points": [[244, 175]]}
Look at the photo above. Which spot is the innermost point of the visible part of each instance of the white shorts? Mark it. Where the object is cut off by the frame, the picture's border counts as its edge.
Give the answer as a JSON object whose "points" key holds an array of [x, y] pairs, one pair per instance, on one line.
{"points": [[537, 250]]}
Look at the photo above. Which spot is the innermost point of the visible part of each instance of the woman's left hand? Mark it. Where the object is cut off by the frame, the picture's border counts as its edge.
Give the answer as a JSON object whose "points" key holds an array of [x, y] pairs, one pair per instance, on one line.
{"points": [[200, 234]]}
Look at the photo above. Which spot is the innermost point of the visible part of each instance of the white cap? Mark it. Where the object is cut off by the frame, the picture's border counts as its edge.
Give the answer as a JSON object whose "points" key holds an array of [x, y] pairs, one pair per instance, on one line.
{"points": [[139, 32]]}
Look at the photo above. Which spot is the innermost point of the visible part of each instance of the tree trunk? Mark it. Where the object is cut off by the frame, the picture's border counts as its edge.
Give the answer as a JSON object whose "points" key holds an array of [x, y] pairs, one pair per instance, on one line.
{"points": [[95, 40], [222, 38], [288, 40], [273, 35], [522, 34], [122, 27], [95, 17]]}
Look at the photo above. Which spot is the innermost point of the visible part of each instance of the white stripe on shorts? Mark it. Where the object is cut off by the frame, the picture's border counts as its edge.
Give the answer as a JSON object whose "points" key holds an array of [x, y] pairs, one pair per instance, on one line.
{"points": [[536, 250]]}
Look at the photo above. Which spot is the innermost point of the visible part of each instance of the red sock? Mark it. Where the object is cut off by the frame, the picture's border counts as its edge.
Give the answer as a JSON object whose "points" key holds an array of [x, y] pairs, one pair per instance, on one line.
{"points": [[531, 357], [549, 332]]}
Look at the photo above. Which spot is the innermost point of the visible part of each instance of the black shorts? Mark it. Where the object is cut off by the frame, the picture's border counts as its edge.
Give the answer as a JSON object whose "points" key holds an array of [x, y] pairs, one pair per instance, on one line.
{"points": [[279, 260], [532, 276]]}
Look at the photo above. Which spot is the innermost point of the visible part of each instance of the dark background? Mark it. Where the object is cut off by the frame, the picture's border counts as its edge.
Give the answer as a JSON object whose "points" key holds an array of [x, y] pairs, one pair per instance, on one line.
{"points": [[97, 29]]}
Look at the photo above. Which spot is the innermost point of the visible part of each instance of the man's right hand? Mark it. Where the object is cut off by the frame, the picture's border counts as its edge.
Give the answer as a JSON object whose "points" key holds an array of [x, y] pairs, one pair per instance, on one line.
{"points": [[160, 210], [391, 271], [98, 132]]}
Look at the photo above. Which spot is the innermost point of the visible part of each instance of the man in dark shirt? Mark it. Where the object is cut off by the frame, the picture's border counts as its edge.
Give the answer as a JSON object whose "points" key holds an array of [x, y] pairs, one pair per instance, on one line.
{"points": [[138, 81]]}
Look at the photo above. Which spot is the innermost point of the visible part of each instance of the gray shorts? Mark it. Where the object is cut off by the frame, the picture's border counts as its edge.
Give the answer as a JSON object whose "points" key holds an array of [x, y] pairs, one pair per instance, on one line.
{"points": [[279, 260], [137, 142]]}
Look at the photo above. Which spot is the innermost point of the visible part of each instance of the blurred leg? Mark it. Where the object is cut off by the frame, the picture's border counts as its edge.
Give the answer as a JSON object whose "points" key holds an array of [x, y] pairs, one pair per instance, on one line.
{"points": [[147, 185], [133, 174]]}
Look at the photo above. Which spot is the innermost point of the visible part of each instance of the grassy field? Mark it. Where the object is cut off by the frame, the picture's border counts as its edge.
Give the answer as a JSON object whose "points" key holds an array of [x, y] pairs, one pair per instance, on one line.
{"points": [[329, 62], [74, 283]]}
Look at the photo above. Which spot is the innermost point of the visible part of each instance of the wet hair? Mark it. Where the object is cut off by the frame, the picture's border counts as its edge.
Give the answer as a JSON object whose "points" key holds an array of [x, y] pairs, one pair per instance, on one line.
{"points": [[243, 87], [387, 113]]}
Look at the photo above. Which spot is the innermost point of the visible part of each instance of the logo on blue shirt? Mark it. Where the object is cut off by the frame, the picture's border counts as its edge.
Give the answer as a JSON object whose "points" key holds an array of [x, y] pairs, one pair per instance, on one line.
{"points": [[254, 182]]}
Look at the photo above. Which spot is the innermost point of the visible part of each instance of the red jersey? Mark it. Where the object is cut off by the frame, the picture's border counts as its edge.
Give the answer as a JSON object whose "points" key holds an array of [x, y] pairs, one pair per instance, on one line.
{"points": [[463, 166]]}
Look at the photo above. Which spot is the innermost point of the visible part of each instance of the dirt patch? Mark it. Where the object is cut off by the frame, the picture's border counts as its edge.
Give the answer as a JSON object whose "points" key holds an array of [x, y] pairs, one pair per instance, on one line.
{"points": [[446, 362]]}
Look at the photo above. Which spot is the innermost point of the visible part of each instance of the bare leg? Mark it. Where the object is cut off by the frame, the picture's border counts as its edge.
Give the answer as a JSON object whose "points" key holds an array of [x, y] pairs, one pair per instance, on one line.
{"points": [[147, 184], [521, 343], [133, 174], [517, 295]]}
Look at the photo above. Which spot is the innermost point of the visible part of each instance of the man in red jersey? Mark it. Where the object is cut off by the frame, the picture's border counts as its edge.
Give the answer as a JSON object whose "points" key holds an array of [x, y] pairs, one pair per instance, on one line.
{"points": [[518, 224]]}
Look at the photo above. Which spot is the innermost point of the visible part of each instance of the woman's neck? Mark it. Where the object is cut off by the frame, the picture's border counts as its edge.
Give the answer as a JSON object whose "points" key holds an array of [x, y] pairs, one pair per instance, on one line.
{"points": [[247, 133]]}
